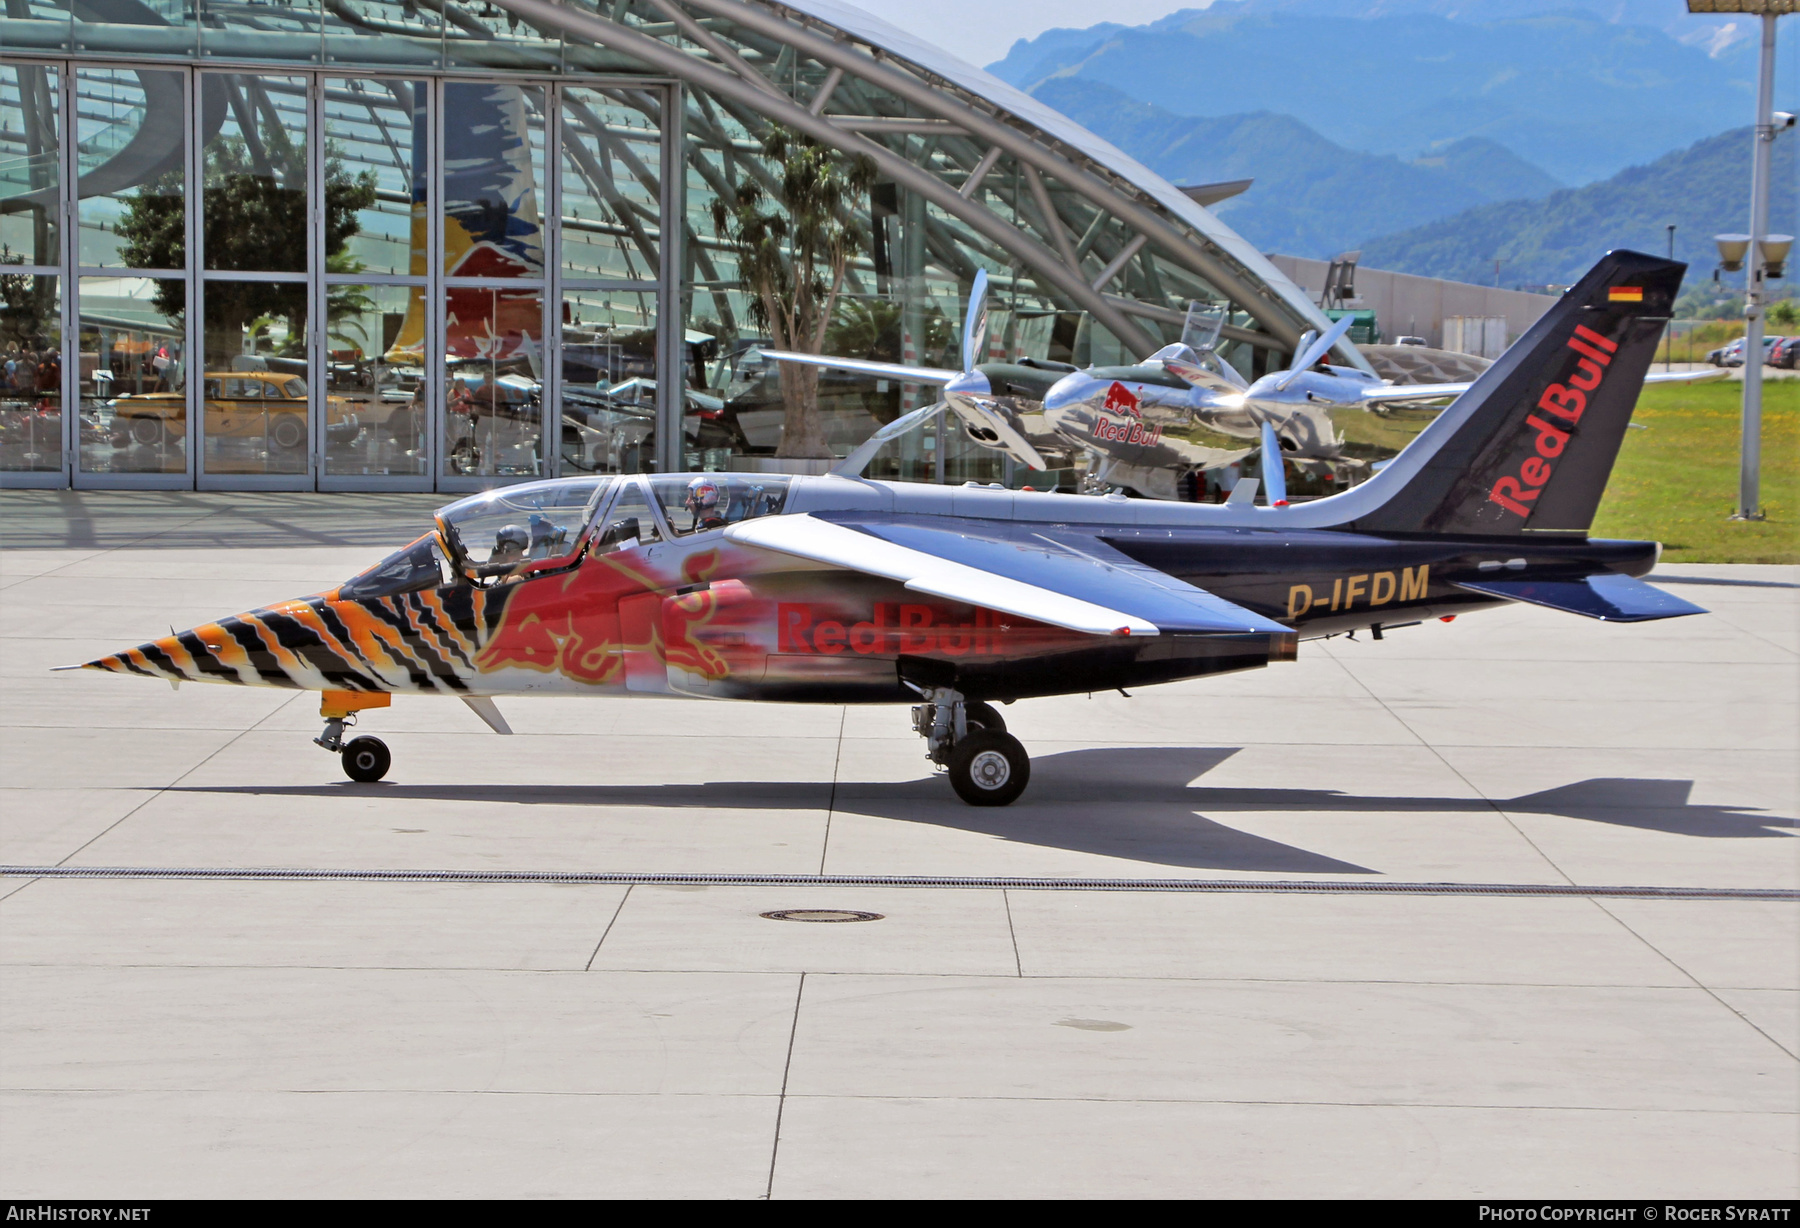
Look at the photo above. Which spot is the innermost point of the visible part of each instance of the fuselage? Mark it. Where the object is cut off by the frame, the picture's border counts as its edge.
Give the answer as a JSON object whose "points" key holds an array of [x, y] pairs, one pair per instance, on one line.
{"points": [[616, 595]]}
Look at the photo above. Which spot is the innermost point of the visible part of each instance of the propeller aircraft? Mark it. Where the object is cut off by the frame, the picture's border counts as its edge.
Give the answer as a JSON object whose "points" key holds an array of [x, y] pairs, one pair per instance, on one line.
{"points": [[1159, 426], [836, 589]]}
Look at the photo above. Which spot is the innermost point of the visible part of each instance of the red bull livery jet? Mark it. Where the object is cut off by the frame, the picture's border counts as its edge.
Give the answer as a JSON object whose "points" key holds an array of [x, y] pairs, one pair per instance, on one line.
{"points": [[839, 590]]}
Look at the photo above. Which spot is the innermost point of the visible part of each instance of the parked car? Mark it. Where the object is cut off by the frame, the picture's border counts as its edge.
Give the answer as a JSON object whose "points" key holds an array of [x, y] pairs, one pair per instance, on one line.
{"points": [[1785, 354], [239, 404], [1731, 354]]}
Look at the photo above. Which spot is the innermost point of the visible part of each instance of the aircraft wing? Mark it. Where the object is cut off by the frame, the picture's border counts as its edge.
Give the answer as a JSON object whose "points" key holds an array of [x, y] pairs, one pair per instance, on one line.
{"points": [[1057, 577], [867, 366], [1383, 393]]}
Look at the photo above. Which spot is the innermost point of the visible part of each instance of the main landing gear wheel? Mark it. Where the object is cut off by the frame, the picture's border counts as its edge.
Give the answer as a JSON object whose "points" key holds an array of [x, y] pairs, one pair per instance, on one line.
{"points": [[989, 767], [985, 715], [366, 759]]}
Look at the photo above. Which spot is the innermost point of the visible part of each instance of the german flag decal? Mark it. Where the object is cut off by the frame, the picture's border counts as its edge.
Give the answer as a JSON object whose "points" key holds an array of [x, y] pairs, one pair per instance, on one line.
{"points": [[1625, 294]]}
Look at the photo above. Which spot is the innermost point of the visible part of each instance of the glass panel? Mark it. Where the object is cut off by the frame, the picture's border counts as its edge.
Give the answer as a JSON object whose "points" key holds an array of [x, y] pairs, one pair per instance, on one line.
{"points": [[493, 396], [134, 415], [611, 183], [374, 396], [383, 32], [29, 164], [35, 25], [31, 427], [255, 395], [498, 530], [483, 35], [629, 522], [131, 156], [255, 211], [144, 28], [375, 174], [493, 164], [248, 30], [714, 500], [608, 356]]}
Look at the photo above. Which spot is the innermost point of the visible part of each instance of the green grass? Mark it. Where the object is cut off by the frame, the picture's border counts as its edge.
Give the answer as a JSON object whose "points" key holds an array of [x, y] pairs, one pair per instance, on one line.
{"points": [[1676, 481]]}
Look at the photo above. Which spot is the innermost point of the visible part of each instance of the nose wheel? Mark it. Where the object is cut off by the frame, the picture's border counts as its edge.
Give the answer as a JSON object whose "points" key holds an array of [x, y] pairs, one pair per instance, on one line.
{"points": [[987, 766], [365, 759]]}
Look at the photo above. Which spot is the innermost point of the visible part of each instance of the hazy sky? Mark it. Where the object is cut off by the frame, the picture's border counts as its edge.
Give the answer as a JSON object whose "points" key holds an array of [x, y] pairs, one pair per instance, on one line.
{"points": [[981, 31]]}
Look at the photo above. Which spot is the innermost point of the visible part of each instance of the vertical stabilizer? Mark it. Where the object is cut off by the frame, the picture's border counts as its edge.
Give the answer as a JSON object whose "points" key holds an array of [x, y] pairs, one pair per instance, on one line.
{"points": [[1531, 444]]}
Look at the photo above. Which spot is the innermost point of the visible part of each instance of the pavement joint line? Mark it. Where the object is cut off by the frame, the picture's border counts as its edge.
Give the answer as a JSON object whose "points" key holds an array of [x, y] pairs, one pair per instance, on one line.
{"points": [[1438, 754], [1195, 885]]}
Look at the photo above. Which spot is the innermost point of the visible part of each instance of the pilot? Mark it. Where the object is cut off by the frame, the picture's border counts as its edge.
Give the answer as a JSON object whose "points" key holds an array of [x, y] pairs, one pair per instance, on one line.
{"points": [[511, 544], [707, 503]]}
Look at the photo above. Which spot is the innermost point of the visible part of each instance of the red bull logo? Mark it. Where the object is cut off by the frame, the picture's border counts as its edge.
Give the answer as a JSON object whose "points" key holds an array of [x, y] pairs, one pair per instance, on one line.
{"points": [[1565, 402], [1121, 400]]}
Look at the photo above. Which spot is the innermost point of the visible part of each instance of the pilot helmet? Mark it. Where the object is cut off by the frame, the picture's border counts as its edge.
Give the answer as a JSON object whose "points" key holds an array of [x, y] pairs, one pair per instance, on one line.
{"points": [[510, 544], [706, 501]]}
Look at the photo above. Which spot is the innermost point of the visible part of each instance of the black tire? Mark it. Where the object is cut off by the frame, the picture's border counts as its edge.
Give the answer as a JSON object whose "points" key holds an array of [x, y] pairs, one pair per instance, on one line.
{"points": [[984, 715], [147, 431], [288, 432], [366, 759], [989, 768]]}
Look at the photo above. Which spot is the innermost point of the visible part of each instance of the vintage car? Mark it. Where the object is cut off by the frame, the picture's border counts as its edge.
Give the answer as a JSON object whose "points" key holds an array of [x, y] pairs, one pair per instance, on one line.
{"points": [[268, 405]]}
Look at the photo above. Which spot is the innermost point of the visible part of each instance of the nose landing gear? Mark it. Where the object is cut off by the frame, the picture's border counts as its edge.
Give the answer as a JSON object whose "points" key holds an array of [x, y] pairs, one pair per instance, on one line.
{"points": [[987, 766], [365, 759]]}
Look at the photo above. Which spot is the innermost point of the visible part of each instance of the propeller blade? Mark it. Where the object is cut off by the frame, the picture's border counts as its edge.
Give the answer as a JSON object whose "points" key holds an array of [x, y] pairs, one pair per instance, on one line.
{"points": [[975, 324], [1274, 470], [1318, 350], [865, 366], [858, 460]]}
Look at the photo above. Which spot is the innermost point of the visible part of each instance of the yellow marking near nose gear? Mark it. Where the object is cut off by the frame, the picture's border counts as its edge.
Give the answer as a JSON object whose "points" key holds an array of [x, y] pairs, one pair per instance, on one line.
{"points": [[336, 705]]}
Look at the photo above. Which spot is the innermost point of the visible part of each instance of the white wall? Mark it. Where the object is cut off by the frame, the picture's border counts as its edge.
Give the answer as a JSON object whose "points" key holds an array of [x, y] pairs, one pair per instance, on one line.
{"points": [[1418, 306]]}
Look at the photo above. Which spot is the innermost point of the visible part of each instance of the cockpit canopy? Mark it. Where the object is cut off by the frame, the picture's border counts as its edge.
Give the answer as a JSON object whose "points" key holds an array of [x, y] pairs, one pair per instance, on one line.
{"points": [[521, 524], [517, 530]]}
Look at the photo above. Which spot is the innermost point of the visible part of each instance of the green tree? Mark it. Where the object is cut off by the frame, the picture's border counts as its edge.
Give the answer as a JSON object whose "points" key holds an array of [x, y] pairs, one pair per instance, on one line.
{"points": [[792, 249], [253, 220]]}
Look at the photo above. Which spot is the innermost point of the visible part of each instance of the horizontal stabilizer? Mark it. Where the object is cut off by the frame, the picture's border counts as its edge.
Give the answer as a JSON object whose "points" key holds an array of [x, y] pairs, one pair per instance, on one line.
{"points": [[1611, 598]]}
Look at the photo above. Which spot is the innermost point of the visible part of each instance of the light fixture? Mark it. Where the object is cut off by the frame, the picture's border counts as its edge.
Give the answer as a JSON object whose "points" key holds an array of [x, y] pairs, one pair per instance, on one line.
{"points": [[1775, 250], [1731, 251]]}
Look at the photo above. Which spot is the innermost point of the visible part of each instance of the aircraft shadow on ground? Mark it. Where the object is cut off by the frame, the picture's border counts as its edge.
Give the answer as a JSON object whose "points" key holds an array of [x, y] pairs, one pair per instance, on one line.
{"points": [[1134, 803]]}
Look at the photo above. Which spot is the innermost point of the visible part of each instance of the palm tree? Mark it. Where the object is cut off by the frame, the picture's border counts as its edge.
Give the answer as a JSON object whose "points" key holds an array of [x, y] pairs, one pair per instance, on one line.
{"points": [[792, 249]]}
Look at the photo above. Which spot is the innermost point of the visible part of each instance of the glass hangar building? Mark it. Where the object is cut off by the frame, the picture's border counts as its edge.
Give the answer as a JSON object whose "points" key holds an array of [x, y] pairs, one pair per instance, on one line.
{"points": [[419, 245]]}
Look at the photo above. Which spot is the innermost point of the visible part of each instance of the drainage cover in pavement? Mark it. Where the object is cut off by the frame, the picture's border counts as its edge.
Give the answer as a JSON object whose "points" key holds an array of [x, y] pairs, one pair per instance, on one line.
{"points": [[821, 914]]}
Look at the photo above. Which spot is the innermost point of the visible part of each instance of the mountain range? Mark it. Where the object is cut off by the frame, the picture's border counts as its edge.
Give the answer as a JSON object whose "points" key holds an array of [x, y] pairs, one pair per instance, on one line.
{"points": [[1312, 197], [1576, 94], [1703, 190]]}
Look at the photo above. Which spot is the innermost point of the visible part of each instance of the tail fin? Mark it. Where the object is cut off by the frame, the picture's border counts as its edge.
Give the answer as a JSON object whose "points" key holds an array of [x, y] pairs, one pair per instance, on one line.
{"points": [[1531, 444]]}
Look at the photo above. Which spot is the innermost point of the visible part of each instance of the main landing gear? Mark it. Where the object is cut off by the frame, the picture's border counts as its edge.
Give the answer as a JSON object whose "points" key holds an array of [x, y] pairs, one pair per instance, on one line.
{"points": [[987, 765], [365, 759]]}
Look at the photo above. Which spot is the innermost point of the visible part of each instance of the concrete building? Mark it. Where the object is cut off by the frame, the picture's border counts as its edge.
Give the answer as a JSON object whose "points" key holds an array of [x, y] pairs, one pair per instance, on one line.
{"points": [[1429, 307], [399, 245]]}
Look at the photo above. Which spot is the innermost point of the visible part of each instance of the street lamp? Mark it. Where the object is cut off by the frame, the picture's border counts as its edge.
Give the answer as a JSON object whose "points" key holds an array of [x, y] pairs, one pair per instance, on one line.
{"points": [[1768, 123]]}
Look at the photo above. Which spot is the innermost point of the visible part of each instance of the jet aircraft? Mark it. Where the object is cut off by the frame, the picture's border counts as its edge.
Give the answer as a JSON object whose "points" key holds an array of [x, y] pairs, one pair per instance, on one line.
{"points": [[1157, 427], [836, 589]]}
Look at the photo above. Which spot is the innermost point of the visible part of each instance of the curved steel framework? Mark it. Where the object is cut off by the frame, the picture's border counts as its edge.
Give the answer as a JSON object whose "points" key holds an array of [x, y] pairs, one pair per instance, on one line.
{"points": [[630, 120], [1086, 232]]}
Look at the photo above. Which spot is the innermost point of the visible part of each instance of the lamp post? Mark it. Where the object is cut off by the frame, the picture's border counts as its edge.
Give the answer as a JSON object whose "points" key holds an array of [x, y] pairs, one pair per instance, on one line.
{"points": [[1669, 336], [1750, 466]]}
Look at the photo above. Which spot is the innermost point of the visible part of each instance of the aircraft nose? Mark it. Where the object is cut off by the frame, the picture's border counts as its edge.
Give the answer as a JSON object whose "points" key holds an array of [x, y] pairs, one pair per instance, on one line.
{"points": [[175, 656]]}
